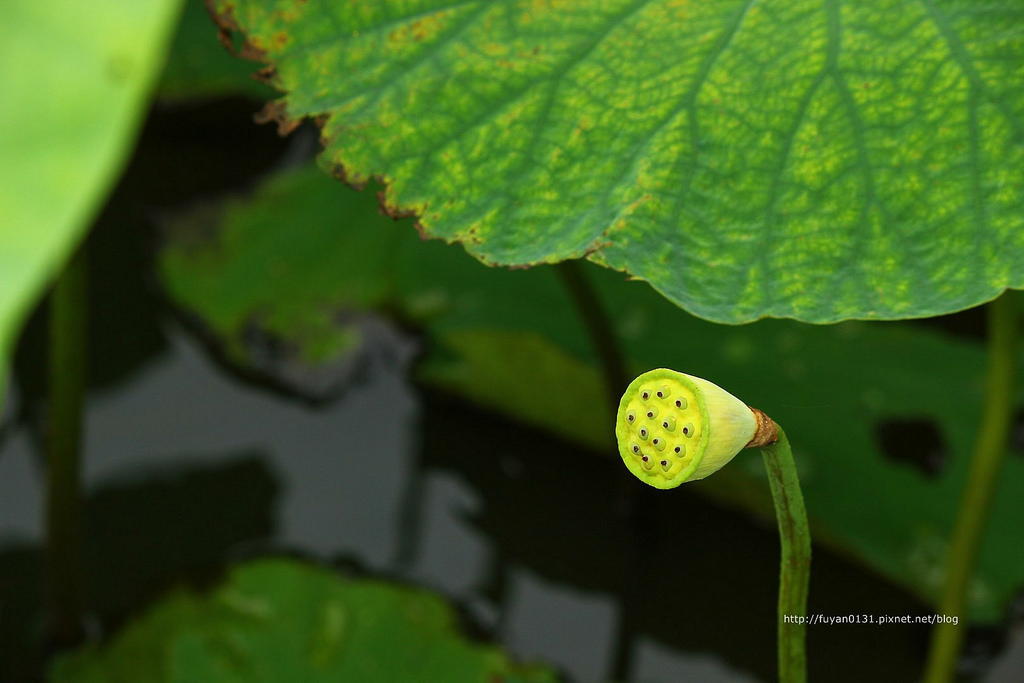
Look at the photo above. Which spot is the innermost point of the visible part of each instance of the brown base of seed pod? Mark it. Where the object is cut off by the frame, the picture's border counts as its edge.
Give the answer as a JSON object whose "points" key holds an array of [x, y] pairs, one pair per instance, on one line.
{"points": [[767, 431]]}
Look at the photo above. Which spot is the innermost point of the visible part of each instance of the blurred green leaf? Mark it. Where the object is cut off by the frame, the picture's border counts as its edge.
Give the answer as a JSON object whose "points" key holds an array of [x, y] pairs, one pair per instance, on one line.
{"points": [[76, 79], [819, 161], [199, 66], [281, 620], [511, 340], [271, 307]]}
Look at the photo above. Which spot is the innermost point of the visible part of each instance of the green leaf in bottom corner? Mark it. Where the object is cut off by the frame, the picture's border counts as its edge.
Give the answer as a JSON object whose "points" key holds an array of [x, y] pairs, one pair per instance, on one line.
{"points": [[281, 620]]}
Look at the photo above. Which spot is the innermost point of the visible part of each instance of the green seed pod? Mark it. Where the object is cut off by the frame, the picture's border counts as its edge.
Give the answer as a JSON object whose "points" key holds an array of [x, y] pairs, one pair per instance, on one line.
{"points": [[685, 425]]}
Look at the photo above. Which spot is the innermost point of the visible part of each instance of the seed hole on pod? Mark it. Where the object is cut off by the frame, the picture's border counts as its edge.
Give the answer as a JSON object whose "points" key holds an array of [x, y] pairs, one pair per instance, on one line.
{"points": [[643, 433], [645, 395], [681, 403], [636, 449], [680, 450], [631, 417], [664, 465], [688, 430], [664, 391]]}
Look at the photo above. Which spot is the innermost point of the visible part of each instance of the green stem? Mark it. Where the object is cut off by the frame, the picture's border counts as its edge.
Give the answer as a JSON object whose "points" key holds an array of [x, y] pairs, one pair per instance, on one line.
{"points": [[63, 575], [795, 571], [985, 465], [599, 327]]}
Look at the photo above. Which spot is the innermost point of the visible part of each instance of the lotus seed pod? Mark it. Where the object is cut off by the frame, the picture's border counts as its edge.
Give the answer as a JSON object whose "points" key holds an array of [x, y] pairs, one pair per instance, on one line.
{"points": [[673, 427]]}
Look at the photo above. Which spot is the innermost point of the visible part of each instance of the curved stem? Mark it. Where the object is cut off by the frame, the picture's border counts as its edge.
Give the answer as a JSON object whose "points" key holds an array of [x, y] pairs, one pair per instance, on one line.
{"points": [[63, 575], [599, 327], [795, 569], [4, 398], [985, 465]]}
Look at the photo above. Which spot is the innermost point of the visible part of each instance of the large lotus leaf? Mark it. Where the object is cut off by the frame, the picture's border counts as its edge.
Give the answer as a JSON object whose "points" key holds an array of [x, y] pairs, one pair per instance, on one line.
{"points": [[512, 341], [75, 81], [813, 160], [280, 620]]}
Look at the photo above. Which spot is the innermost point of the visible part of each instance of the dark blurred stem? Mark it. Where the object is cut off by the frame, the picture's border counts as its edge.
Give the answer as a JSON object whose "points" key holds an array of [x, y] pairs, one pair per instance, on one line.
{"points": [[985, 467], [599, 327], [795, 567], [601, 331], [67, 361]]}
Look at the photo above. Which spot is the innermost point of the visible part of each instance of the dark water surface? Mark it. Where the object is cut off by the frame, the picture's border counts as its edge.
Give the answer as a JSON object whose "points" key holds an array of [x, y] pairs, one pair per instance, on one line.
{"points": [[551, 549], [554, 551]]}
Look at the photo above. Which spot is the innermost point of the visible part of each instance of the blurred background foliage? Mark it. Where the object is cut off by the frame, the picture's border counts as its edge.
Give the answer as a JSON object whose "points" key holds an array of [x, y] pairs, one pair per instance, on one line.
{"points": [[288, 277]]}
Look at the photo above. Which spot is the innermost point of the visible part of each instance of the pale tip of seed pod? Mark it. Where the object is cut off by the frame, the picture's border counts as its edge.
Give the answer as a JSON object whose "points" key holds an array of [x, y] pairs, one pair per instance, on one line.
{"points": [[767, 431]]}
